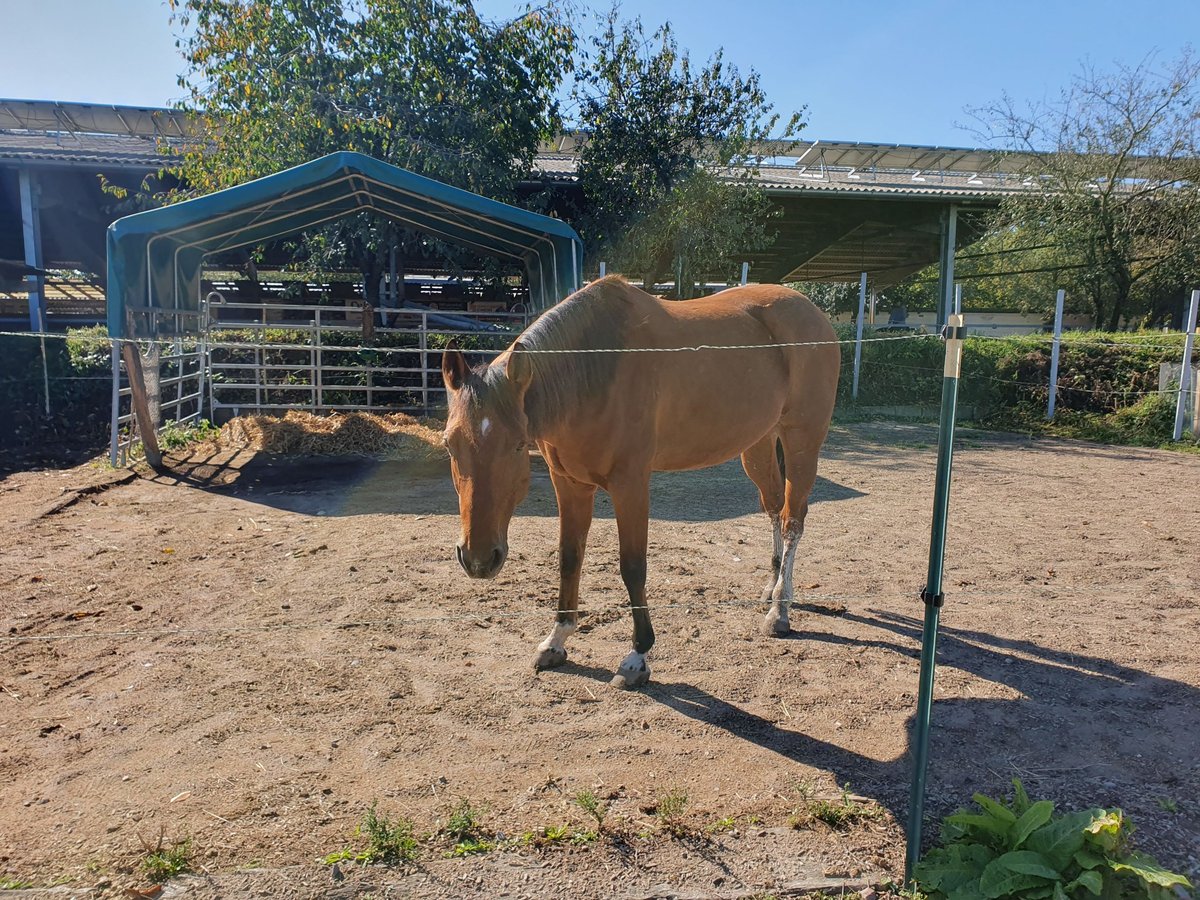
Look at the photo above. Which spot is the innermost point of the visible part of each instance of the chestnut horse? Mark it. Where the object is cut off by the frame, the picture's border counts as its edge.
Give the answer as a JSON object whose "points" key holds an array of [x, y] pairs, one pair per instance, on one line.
{"points": [[609, 419]]}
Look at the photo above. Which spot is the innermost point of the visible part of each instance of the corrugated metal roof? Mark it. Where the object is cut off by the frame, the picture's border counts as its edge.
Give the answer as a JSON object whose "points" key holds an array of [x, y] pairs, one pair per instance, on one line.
{"points": [[93, 149]]}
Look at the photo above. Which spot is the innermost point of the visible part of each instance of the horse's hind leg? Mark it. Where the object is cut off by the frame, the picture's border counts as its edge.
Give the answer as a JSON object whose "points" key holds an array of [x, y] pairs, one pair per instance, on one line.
{"points": [[800, 471], [766, 472]]}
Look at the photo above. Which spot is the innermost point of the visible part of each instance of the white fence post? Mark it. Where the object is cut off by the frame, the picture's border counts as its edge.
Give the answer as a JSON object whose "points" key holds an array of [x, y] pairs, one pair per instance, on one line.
{"points": [[603, 268], [1058, 314], [1185, 374], [745, 272], [862, 308]]}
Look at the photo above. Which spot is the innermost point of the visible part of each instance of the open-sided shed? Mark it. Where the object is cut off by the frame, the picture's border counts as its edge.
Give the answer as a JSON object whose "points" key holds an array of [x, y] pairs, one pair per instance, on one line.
{"points": [[155, 257], [156, 260]]}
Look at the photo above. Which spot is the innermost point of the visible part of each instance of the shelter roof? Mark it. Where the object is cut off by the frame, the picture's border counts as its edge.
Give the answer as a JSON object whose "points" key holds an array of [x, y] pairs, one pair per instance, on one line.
{"points": [[155, 257]]}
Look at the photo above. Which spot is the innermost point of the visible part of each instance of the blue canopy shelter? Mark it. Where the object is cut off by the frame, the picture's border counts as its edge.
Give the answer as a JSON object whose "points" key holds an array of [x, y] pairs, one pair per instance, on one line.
{"points": [[155, 258]]}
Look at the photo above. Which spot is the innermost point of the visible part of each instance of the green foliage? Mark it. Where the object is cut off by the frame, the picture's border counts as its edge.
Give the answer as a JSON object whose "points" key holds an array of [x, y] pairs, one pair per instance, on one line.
{"points": [[79, 371], [593, 806], [180, 435], [389, 841], [669, 809], [89, 350], [657, 128], [465, 828], [717, 826], [162, 863], [14, 884], [1017, 848], [839, 814], [427, 85], [1115, 168], [1108, 382]]}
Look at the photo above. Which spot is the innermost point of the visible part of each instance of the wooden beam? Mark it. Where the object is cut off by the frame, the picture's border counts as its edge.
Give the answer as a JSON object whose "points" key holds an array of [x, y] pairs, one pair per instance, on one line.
{"points": [[147, 427]]}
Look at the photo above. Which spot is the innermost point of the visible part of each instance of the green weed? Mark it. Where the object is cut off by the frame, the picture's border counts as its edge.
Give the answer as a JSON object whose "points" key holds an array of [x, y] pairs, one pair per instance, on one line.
{"points": [[669, 810], [593, 806], [1020, 849], [179, 435], [1167, 804], [839, 814], [388, 841], [162, 863], [465, 829], [726, 823]]}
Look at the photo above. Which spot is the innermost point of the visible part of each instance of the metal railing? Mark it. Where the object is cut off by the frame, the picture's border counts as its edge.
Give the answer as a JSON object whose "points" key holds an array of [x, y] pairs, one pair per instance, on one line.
{"points": [[336, 360], [272, 357]]}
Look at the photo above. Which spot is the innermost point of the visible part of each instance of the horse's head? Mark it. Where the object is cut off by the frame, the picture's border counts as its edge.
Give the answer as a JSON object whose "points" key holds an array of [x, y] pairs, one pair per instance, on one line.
{"points": [[487, 436]]}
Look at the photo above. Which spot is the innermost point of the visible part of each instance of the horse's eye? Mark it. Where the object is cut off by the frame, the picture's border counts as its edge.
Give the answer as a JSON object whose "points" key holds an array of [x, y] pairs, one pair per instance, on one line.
{"points": [[522, 446]]}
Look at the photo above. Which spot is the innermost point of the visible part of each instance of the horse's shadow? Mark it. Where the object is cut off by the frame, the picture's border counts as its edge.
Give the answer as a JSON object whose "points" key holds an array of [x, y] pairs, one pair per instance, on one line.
{"points": [[1081, 729]]}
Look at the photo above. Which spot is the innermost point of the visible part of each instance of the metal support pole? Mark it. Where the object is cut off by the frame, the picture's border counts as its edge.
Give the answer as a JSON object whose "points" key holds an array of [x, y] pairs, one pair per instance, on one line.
{"points": [[1185, 374], [745, 272], [1058, 314], [114, 441], [423, 346], [958, 299], [31, 233], [862, 306], [932, 594], [603, 268], [946, 264]]}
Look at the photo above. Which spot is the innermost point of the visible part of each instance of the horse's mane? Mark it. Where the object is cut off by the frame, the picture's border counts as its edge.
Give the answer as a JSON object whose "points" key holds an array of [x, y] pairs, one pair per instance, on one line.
{"points": [[591, 318]]}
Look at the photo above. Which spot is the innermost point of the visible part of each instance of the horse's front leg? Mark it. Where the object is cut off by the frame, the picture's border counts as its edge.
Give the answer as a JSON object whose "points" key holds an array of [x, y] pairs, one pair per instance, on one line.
{"points": [[575, 504], [631, 503]]}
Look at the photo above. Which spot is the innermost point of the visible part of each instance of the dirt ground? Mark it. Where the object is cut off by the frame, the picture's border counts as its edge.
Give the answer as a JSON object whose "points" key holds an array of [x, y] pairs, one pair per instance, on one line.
{"points": [[250, 651]]}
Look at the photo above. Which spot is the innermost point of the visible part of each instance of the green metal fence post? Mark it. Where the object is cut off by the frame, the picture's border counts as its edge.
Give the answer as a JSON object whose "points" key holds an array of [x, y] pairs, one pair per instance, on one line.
{"points": [[932, 595]]}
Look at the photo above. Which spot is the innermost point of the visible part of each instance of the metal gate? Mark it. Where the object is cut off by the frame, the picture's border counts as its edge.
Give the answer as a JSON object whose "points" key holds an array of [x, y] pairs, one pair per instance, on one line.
{"points": [[272, 357]]}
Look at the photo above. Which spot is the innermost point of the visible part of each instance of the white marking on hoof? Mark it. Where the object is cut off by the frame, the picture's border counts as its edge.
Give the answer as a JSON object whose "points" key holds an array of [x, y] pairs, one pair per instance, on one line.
{"points": [[550, 658], [552, 652], [776, 623], [632, 673]]}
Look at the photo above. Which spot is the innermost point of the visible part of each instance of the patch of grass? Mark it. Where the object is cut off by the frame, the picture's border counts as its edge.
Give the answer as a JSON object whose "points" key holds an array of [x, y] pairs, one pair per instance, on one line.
{"points": [[1167, 804], [839, 814], [471, 846], [178, 435], [593, 806], [389, 841], [726, 823], [669, 810], [13, 884], [465, 829], [165, 862]]}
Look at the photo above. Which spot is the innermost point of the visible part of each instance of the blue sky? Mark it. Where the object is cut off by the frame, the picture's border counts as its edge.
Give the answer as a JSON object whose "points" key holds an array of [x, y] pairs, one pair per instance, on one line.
{"points": [[899, 72]]}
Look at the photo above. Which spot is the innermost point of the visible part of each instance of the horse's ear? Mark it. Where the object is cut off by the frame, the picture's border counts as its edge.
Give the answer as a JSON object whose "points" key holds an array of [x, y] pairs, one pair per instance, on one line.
{"points": [[454, 367], [517, 368]]}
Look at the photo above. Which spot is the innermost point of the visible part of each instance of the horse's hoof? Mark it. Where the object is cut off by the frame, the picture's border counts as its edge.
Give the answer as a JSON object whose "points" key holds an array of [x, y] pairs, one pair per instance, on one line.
{"points": [[776, 625], [630, 679], [550, 658]]}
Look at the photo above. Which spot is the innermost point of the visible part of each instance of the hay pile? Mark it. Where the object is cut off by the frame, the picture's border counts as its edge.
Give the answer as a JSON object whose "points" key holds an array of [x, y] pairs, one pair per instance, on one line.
{"points": [[393, 435]]}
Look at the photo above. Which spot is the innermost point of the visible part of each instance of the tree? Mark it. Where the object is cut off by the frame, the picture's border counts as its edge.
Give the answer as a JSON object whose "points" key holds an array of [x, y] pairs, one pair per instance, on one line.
{"points": [[1115, 170], [667, 163], [424, 84]]}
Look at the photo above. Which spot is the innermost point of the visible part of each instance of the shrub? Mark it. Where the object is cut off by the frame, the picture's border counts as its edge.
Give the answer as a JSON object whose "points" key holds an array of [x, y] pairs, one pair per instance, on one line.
{"points": [[1021, 849]]}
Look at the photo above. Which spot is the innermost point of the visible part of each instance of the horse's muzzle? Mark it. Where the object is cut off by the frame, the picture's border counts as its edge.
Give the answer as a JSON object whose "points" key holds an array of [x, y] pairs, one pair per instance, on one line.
{"points": [[485, 565]]}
